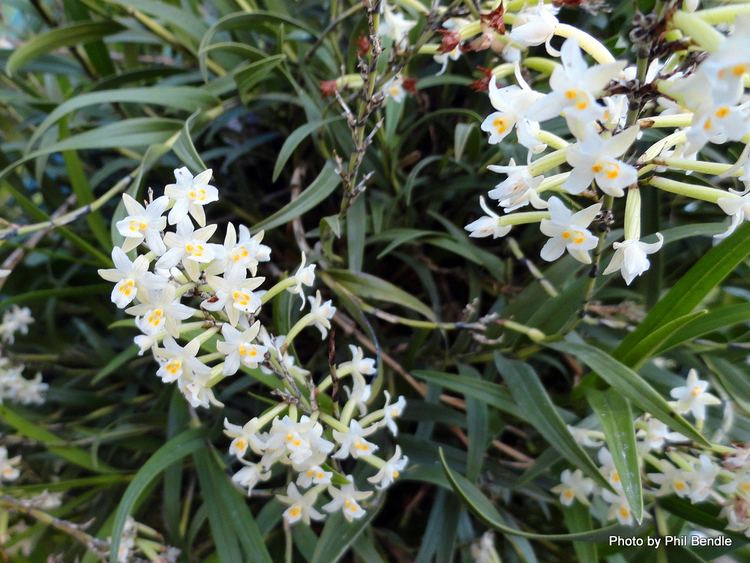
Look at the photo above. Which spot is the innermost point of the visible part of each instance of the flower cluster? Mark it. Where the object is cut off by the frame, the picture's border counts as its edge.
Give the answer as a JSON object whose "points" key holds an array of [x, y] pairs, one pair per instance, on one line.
{"points": [[604, 116], [672, 465], [14, 386], [178, 276]]}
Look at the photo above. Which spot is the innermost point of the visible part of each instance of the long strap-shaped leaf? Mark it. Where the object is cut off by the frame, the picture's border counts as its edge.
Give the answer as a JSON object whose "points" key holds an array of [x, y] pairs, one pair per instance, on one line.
{"points": [[690, 290], [178, 447], [539, 411], [613, 411], [483, 508], [629, 384]]}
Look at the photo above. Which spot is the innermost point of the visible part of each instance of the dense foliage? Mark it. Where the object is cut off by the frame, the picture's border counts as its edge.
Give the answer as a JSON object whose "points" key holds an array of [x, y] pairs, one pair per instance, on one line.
{"points": [[557, 379]]}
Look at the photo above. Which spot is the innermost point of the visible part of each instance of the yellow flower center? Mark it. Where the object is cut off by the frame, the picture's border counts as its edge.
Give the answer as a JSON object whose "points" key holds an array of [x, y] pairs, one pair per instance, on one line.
{"points": [[624, 511], [361, 446], [241, 297], [696, 391], [173, 366], [500, 125], [126, 287], [295, 511], [195, 249], [155, 317], [739, 70], [679, 486], [137, 226], [241, 444], [722, 112], [197, 195], [350, 505], [568, 494]]}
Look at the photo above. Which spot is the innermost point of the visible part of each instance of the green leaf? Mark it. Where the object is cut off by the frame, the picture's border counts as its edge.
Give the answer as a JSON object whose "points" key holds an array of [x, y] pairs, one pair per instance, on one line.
{"points": [[477, 426], [233, 527], [54, 444], [181, 19], [321, 188], [187, 98], [368, 286], [293, 141], [652, 342], [74, 34], [715, 319], [483, 390], [629, 384], [175, 449], [692, 287], [578, 519], [484, 510], [616, 418], [338, 534], [250, 75], [538, 410]]}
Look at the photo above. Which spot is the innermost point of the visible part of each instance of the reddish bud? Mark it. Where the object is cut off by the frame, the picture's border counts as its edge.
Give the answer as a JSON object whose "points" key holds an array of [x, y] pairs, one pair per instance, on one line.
{"points": [[495, 19], [328, 87], [363, 45], [409, 84], [482, 84], [451, 40]]}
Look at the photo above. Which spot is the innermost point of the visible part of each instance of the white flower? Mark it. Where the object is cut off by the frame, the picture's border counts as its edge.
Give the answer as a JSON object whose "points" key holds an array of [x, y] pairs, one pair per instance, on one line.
{"points": [[489, 225], [130, 278], [162, 310], [656, 434], [631, 257], [390, 471], [234, 294], [352, 441], [196, 388], [244, 253], [25, 391], [575, 88], [534, 26], [347, 498], [442, 59], [190, 194], [395, 26], [568, 231], [716, 124], [518, 189], [8, 466], [143, 223], [151, 335], [724, 70], [238, 348], [692, 397], [740, 484], [322, 312], [244, 436], [314, 475], [299, 443], [301, 507], [584, 437], [737, 517], [251, 475], [394, 89], [512, 104], [593, 158], [618, 508], [483, 551], [702, 478], [15, 320], [737, 207], [177, 361], [189, 246], [391, 411], [608, 469], [671, 480], [287, 360], [305, 276], [573, 486]]}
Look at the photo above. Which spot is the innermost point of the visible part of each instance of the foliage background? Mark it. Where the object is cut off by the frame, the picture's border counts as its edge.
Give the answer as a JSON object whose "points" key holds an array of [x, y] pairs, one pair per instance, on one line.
{"points": [[99, 94]]}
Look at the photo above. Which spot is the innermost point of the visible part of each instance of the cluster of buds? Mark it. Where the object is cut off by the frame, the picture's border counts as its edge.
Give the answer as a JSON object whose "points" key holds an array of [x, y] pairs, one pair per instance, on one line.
{"points": [[302, 430], [14, 387], [671, 464], [603, 107]]}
